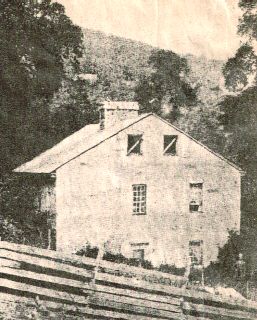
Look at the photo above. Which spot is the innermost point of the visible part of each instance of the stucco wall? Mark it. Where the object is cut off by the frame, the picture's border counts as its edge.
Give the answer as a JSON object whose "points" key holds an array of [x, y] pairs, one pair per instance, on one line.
{"points": [[94, 197]]}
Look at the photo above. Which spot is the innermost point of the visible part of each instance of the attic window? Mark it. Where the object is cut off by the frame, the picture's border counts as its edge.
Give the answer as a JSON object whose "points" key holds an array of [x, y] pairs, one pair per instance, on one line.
{"points": [[134, 144], [196, 197], [170, 144]]}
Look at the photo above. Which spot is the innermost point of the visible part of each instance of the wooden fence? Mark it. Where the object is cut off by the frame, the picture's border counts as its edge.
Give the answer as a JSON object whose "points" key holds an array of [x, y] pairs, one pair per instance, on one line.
{"points": [[43, 284]]}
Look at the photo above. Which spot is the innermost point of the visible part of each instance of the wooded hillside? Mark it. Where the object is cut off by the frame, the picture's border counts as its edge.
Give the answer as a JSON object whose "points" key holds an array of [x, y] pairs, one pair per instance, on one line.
{"points": [[121, 62]]}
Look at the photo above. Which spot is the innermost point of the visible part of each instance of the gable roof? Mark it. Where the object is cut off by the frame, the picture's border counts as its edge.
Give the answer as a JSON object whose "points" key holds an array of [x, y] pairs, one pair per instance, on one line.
{"points": [[85, 139], [73, 146]]}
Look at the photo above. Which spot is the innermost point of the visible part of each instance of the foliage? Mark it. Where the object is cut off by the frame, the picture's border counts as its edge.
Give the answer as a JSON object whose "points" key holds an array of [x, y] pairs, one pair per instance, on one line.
{"points": [[166, 85], [172, 269], [118, 63], [205, 75], [21, 220], [123, 66], [248, 23], [224, 271], [72, 107], [36, 38], [238, 118], [239, 70], [92, 251], [88, 251]]}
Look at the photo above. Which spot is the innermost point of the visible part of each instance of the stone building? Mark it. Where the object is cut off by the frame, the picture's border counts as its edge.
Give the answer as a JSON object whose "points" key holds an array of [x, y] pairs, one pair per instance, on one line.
{"points": [[141, 187]]}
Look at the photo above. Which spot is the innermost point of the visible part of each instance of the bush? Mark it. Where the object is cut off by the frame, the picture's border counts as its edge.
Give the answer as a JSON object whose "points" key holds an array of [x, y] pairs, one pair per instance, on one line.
{"points": [[118, 258], [88, 251], [224, 271], [146, 264], [92, 251], [172, 269]]}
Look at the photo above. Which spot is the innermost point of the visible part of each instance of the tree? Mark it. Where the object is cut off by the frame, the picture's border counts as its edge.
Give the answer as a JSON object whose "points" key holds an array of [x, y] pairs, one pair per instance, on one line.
{"points": [[73, 107], [225, 271], [240, 71], [39, 49], [239, 118], [35, 40], [166, 89], [21, 220]]}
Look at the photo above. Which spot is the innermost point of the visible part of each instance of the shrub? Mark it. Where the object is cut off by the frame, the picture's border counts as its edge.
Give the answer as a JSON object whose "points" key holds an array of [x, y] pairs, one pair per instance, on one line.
{"points": [[146, 264], [118, 258], [88, 251], [92, 251], [172, 269]]}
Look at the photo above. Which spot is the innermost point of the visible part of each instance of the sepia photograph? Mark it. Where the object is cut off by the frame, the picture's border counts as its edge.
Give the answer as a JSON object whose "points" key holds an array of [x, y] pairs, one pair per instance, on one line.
{"points": [[128, 159]]}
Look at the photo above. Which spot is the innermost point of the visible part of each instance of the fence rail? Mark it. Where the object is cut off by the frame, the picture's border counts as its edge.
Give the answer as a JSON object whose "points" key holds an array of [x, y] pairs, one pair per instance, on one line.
{"points": [[59, 286]]}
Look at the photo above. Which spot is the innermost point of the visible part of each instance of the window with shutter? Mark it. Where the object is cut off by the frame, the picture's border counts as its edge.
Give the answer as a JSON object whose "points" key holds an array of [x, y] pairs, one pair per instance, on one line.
{"points": [[196, 197]]}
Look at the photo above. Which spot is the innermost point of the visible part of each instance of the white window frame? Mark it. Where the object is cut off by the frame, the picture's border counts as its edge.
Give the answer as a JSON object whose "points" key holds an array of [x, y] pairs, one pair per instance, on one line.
{"points": [[139, 199]]}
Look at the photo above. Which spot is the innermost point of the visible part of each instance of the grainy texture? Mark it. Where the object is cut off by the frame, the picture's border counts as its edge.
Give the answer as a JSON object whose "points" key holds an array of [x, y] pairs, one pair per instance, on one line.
{"points": [[95, 197], [29, 292]]}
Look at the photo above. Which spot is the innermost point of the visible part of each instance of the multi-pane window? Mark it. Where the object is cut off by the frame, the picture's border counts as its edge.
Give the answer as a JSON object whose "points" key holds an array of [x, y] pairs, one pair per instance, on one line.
{"points": [[196, 197], [134, 144], [139, 199], [196, 252], [170, 145]]}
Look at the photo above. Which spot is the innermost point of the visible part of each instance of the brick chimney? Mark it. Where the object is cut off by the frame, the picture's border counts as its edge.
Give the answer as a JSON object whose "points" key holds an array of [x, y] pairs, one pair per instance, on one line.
{"points": [[112, 112]]}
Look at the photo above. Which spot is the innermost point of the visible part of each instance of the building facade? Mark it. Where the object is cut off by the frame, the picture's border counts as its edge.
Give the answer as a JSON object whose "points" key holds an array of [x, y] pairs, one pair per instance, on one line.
{"points": [[139, 186]]}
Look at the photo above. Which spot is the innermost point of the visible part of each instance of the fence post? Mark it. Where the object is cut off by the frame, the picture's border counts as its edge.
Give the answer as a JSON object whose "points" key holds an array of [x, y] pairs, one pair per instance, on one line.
{"points": [[183, 317], [98, 262]]}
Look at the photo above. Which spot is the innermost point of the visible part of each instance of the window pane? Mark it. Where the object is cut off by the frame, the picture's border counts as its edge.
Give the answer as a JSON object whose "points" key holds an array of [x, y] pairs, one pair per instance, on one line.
{"points": [[134, 144], [170, 142], [139, 198], [196, 197]]}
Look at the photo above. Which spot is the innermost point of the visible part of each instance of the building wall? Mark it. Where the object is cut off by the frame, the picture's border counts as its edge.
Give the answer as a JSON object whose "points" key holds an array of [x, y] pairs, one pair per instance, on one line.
{"points": [[45, 202], [95, 201]]}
